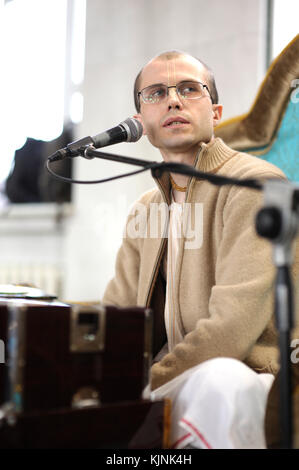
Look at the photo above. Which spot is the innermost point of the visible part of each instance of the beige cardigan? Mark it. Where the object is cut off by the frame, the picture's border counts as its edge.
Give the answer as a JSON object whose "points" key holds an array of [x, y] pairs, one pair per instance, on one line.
{"points": [[224, 288]]}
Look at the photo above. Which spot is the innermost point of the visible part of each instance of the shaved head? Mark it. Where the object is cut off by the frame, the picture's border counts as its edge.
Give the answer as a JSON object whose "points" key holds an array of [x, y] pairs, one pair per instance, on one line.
{"points": [[169, 55]]}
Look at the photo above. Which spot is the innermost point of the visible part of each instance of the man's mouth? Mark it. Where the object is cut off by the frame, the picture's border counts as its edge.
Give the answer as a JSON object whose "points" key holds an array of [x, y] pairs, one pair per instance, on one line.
{"points": [[175, 122]]}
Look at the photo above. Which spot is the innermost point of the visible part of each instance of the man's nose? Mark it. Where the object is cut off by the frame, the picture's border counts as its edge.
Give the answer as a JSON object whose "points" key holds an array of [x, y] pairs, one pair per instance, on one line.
{"points": [[173, 99]]}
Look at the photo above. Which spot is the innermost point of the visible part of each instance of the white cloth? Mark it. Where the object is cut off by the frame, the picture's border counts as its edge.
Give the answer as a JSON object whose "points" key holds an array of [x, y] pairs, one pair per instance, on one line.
{"points": [[173, 325], [218, 404]]}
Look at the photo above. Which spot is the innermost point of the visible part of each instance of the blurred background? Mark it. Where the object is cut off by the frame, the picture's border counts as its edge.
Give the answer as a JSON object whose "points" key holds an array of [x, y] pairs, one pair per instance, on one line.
{"points": [[68, 69]]}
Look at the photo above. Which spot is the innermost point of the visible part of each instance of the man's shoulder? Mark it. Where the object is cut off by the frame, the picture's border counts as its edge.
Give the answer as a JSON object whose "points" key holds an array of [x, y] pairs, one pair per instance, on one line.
{"points": [[244, 165], [152, 195]]}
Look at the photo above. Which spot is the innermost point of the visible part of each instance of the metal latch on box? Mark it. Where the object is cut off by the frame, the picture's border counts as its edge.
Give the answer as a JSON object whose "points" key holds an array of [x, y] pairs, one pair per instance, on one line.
{"points": [[87, 329]]}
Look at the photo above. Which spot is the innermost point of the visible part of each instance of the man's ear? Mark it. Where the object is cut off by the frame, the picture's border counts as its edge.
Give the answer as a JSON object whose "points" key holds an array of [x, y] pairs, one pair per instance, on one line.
{"points": [[139, 118], [217, 113]]}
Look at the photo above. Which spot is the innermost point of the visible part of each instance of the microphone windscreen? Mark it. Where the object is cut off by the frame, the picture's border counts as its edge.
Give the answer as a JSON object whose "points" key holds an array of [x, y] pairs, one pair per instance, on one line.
{"points": [[134, 129]]}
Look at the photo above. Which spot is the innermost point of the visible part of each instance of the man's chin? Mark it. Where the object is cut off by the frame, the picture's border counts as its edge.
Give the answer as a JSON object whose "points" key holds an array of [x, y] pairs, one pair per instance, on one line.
{"points": [[179, 144]]}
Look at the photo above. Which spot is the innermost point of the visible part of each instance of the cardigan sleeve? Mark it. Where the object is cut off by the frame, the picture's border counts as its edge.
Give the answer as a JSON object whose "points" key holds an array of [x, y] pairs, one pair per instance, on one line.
{"points": [[122, 289]]}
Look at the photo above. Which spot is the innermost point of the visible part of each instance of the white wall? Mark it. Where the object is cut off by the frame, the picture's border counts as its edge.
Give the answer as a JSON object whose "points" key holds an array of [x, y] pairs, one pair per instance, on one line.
{"points": [[121, 37]]}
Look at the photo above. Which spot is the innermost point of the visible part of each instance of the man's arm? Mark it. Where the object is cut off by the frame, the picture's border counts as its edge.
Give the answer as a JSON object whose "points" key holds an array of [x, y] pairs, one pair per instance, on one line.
{"points": [[122, 289]]}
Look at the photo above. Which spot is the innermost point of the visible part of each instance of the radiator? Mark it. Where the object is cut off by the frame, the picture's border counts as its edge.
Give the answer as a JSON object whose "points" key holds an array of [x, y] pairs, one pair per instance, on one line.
{"points": [[44, 276]]}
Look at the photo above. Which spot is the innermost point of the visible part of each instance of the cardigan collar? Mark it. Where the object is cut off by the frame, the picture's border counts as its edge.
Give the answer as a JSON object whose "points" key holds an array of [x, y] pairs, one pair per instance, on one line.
{"points": [[210, 158]]}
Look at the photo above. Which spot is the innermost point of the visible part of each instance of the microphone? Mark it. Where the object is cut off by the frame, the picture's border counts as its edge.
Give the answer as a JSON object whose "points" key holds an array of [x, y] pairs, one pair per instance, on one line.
{"points": [[129, 130]]}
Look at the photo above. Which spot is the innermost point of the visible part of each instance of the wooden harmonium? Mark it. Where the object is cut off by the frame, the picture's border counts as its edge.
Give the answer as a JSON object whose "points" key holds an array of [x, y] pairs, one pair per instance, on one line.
{"points": [[63, 356]]}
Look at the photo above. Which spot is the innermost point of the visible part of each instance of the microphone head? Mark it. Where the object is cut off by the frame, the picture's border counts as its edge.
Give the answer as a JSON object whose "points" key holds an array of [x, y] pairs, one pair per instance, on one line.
{"points": [[133, 128]]}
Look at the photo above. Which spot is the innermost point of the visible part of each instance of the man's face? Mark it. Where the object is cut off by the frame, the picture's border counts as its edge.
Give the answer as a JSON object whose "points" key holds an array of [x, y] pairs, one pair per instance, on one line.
{"points": [[200, 114]]}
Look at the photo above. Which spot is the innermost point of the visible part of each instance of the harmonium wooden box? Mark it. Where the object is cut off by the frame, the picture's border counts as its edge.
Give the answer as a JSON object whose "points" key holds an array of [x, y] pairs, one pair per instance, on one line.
{"points": [[66, 366], [57, 355]]}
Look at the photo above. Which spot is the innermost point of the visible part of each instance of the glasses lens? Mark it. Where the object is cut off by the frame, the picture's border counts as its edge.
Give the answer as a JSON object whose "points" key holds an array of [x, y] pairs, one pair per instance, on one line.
{"points": [[154, 93], [190, 90]]}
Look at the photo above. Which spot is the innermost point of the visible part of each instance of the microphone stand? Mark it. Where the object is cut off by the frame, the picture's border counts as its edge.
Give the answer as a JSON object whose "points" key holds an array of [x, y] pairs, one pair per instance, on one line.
{"points": [[157, 168], [278, 221]]}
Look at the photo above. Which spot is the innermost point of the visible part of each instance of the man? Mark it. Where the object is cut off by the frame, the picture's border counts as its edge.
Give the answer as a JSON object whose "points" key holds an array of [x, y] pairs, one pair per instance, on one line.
{"points": [[212, 298]]}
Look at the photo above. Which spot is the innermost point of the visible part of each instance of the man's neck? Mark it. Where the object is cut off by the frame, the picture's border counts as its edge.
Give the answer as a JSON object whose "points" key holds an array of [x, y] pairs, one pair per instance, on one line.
{"points": [[187, 158]]}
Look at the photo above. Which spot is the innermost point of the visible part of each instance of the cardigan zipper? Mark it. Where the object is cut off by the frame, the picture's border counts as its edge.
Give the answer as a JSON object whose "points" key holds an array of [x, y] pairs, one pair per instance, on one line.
{"points": [[155, 273], [162, 246], [159, 256]]}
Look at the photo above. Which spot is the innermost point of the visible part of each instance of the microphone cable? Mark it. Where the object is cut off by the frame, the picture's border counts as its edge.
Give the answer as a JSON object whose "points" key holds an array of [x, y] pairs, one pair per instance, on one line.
{"points": [[104, 180]]}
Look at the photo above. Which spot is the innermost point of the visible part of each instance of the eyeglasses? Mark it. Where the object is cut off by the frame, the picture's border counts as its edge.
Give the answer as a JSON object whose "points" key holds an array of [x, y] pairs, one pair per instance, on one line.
{"points": [[187, 90]]}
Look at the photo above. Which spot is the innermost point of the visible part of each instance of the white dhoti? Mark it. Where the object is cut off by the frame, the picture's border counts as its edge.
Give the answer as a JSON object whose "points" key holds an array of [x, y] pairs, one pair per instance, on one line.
{"points": [[219, 404]]}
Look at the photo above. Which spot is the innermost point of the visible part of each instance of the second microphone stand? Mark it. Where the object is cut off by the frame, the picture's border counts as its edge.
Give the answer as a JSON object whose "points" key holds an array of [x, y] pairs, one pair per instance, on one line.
{"points": [[278, 221]]}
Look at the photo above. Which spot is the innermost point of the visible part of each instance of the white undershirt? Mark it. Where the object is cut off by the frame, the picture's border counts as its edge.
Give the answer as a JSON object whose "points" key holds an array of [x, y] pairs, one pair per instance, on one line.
{"points": [[171, 313]]}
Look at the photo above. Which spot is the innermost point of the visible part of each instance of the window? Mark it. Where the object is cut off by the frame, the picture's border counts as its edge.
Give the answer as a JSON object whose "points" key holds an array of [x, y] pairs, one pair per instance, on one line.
{"points": [[284, 28], [43, 44]]}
